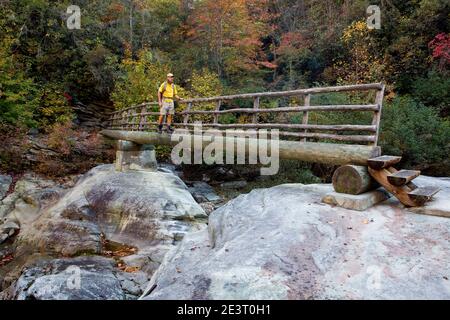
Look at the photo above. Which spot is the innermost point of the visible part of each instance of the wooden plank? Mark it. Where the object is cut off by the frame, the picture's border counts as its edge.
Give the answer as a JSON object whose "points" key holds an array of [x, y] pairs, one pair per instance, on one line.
{"points": [[358, 128], [401, 193], [368, 107], [306, 113], [423, 194], [273, 110], [403, 177], [147, 104], [346, 88], [348, 138], [291, 93], [383, 162], [410, 185]]}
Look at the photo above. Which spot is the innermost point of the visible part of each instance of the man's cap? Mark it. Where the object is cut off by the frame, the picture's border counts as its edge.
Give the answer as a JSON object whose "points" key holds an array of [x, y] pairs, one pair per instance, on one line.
{"points": [[170, 75]]}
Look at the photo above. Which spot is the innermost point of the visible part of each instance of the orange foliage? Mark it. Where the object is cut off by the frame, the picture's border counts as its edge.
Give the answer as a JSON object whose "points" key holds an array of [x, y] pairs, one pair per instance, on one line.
{"points": [[231, 30]]}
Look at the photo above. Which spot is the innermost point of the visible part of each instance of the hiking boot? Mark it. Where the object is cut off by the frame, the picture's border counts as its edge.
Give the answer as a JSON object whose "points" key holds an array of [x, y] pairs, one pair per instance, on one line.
{"points": [[160, 128], [169, 129]]}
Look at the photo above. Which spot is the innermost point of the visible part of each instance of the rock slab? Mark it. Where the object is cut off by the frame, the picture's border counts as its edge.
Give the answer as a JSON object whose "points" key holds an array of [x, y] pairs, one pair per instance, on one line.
{"points": [[358, 202], [440, 204], [137, 207], [284, 243]]}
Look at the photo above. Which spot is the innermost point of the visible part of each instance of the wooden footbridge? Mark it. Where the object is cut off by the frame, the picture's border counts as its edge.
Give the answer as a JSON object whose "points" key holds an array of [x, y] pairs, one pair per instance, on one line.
{"points": [[349, 145]]}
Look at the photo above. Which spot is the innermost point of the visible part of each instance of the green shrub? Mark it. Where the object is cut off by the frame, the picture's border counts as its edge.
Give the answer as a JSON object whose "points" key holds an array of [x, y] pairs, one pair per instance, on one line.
{"points": [[18, 93], [434, 91], [415, 132]]}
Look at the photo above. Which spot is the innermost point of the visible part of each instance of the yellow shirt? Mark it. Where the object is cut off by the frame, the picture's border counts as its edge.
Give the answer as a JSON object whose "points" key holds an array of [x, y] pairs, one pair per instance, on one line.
{"points": [[169, 93]]}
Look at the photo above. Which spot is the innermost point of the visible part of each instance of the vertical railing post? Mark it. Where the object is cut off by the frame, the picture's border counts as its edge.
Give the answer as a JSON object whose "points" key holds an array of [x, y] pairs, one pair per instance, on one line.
{"points": [[216, 115], [186, 115], [256, 108], [130, 120], [135, 120], [306, 114], [377, 114], [124, 120], [112, 121], [142, 117]]}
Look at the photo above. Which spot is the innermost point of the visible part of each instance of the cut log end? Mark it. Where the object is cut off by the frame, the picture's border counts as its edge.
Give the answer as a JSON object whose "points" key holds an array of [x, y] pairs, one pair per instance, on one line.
{"points": [[353, 180]]}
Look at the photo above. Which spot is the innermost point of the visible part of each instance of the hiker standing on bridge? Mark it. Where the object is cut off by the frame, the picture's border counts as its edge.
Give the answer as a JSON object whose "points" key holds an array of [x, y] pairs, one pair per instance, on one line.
{"points": [[166, 94]]}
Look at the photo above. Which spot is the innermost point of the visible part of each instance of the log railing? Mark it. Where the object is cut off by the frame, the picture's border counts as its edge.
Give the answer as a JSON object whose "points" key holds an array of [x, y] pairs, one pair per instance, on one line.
{"points": [[135, 118]]}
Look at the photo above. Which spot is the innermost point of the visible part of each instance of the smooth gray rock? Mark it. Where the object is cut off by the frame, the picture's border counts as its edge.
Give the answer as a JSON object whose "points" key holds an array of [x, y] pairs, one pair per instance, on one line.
{"points": [[82, 278], [7, 230], [151, 211], [283, 243], [31, 194], [5, 182], [133, 284], [203, 192], [138, 207], [234, 184]]}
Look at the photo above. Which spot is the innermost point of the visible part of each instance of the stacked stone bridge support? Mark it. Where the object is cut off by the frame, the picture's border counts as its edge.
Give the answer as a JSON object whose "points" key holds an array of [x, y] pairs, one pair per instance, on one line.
{"points": [[133, 156]]}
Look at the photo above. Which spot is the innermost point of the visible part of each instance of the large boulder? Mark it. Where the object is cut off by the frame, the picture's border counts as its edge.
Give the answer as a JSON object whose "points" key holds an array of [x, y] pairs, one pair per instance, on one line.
{"points": [[31, 195], [135, 217], [284, 243], [139, 208]]}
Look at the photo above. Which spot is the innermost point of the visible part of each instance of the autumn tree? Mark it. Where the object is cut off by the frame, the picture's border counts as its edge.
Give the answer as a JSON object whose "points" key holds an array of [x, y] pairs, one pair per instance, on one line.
{"points": [[227, 35]]}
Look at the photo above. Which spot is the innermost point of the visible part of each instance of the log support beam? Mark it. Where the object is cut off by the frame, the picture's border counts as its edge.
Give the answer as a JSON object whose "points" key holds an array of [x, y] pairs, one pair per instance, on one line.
{"points": [[328, 153]]}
